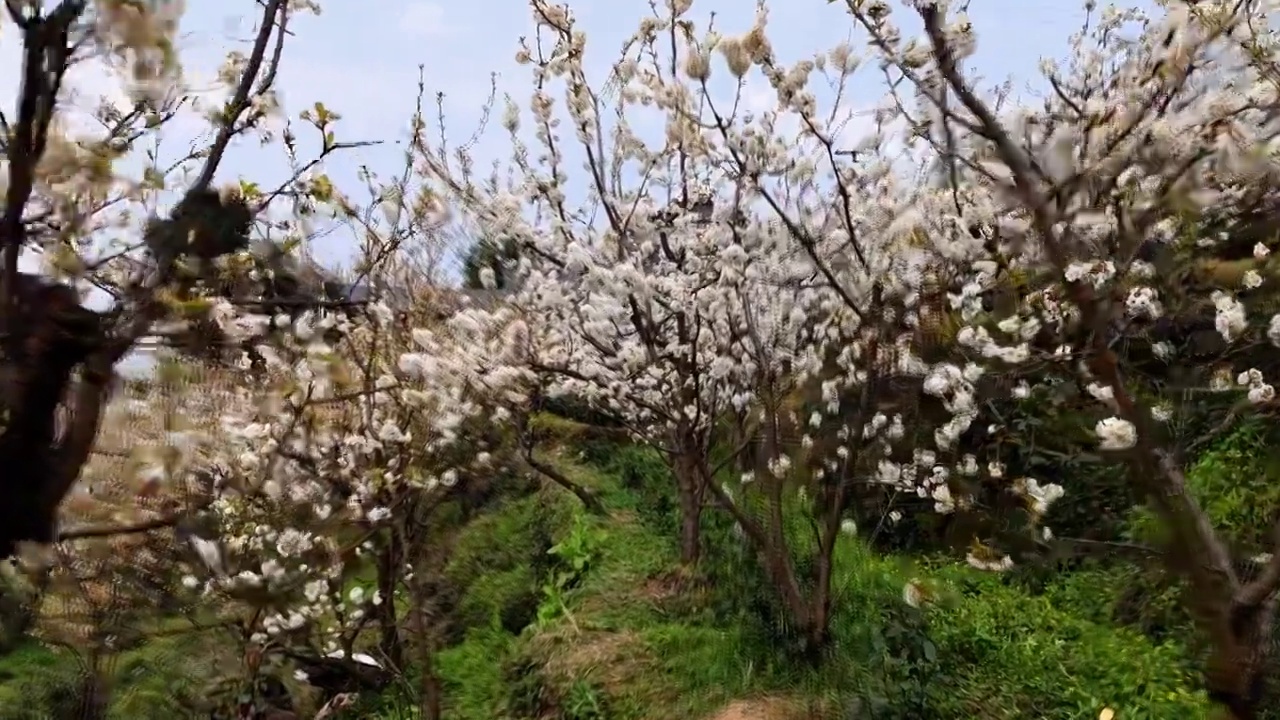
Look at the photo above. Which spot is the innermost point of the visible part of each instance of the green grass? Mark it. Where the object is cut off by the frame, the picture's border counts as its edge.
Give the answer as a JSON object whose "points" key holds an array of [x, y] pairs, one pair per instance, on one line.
{"points": [[578, 617], [640, 640], [162, 679]]}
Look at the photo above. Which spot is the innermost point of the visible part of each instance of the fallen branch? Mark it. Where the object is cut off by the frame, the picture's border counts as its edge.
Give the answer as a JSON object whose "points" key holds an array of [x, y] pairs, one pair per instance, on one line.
{"points": [[588, 498]]}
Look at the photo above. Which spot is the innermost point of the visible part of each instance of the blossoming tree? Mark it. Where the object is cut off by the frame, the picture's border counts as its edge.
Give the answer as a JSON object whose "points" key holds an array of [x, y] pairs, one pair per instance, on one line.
{"points": [[294, 472], [1048, 242], [717, 314], [307, 493], [1150, 153], [71, 197]]}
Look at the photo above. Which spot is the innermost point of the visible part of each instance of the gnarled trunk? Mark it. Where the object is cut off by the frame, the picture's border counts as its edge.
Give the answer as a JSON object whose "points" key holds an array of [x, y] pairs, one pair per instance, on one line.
{"points": [[1235, 671]]}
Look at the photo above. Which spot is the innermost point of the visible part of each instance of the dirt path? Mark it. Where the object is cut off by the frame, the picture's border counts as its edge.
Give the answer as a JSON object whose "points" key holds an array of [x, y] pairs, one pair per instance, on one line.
{"points": [[762, 709]]}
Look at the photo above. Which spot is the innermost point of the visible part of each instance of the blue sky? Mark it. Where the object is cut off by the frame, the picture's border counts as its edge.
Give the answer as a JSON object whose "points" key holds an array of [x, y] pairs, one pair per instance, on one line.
{"points": [[361, 59], [366, 66]]}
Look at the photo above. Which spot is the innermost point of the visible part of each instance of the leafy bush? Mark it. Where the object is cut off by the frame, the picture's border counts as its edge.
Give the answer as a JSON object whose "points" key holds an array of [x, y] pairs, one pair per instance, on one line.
{"points": [[15, 613], [1010, 655], [163, 678], [576, 409], [573, 555], [37, 682], [643, 472], [1142, 597], [502, 564], [1237, 482]]}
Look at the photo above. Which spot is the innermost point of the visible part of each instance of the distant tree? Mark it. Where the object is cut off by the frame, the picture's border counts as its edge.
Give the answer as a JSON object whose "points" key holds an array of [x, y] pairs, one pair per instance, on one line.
{"points": [[499, 256]]}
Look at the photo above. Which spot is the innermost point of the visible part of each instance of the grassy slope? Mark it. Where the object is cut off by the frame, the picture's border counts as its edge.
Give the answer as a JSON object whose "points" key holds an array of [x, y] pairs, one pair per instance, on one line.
{"points": [[152, 681], [640, 641], [627, 636]]}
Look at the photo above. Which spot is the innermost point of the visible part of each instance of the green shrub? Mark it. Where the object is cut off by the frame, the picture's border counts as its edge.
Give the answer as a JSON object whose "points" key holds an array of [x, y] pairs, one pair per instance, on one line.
{"points": [[500, 565], [15, 613], [164, 678], [1142, 597], [642, 472], [573, 555], [550, 430], [987, 648], [1011, 655], [578, 410], [1237, 482]]}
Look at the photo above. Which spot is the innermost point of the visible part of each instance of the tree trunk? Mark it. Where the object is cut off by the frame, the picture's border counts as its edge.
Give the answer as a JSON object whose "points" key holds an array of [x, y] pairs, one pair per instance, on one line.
{"points": [[388, 625], [94, 700], [820, 597], [809, 613], [689, 489], [817, 636], [1235, 672], [690, 527], [430, 690]]}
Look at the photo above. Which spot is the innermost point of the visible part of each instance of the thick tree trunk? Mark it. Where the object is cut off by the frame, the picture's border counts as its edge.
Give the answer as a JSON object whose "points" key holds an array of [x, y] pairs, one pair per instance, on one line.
{"points": [[389, 642], [431, 702], [1235, 672], [94, 697], [430, 689], [809, 612], [690, 526], [820, 597]]}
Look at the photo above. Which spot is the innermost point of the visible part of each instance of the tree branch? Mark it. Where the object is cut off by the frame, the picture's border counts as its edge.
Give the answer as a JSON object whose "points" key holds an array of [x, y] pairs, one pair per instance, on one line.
{"points": [[107, 530]]}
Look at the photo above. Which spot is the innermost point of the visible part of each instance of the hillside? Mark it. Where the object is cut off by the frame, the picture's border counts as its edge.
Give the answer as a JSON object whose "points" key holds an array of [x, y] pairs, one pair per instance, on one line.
{"points": [[619, 632], [564, 615], [808, 365]]}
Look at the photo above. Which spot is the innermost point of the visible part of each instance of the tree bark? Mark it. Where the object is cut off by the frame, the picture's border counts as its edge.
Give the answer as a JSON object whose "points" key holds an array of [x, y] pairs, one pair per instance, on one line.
{"points": [[94, 699], [431, 702], [690, 527], [430, 689], [1235, 671], [689, 491], [820, 597], [810, 614], [389, 643]]}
